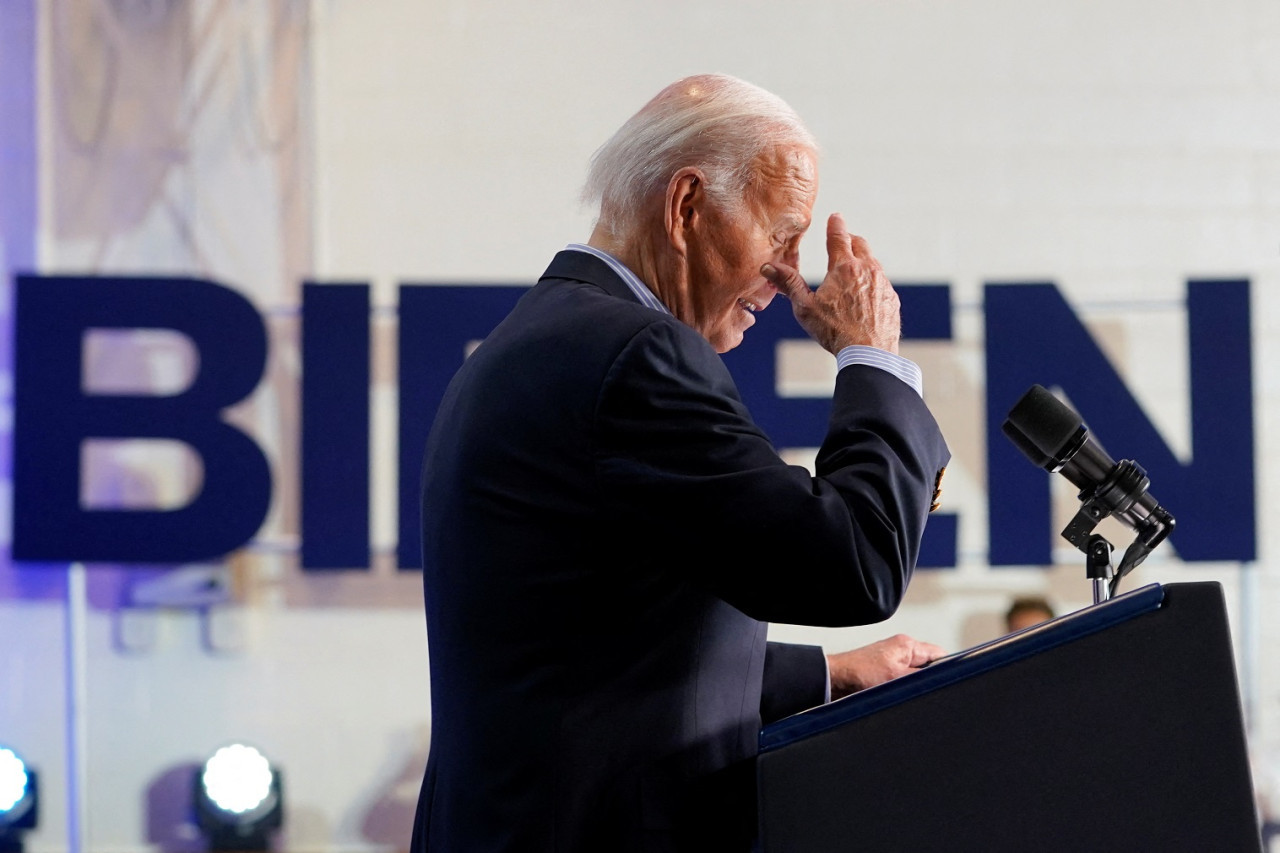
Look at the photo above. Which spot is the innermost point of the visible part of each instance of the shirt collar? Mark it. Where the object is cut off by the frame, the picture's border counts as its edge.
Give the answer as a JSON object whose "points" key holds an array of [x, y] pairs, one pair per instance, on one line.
{"points": [[630, 279]]}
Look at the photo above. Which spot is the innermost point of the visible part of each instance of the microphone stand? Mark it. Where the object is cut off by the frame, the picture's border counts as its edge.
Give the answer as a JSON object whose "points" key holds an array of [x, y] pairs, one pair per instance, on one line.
{"points": [[1097, 504], [1097, 550], [1098, 567]]}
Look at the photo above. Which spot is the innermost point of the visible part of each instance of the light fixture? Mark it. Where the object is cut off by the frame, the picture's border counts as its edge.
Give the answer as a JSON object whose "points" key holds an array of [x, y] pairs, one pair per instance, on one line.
{"points": [[19, 800], [238, 803]]}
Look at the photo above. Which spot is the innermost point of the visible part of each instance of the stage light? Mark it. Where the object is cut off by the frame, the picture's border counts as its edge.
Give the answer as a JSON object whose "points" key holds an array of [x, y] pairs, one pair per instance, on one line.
{"points": [[238, 803], [19, 800]]}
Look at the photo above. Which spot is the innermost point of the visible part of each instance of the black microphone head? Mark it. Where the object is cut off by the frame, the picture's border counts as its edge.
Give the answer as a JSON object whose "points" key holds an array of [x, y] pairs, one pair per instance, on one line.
{"points": [[1047, 424], [1029, 450]]}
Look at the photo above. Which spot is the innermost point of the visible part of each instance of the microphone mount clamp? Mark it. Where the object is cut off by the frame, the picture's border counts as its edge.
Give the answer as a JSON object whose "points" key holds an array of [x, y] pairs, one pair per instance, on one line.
{"points": [[1117, 494]]}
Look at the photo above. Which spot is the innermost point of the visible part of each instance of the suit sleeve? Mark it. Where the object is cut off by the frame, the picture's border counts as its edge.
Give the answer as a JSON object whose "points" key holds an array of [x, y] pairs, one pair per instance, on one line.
{"points": [[795, 680], [678, 454]]}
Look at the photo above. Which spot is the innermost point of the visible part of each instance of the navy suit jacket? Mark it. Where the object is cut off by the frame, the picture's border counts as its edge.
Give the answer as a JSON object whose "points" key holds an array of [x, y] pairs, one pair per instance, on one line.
{"points": [[606, 533]]}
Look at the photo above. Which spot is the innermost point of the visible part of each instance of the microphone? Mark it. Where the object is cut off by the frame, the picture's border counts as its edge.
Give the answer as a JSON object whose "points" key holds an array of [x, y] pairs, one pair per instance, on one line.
{"points": [[1054, 437]]}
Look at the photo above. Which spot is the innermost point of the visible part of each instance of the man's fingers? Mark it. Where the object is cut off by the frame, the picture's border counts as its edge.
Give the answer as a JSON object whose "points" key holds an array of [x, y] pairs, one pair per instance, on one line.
{"points": [[923, 653], [788, 281], [910, 651], [862, 251], [837, 241], [843, 246]]}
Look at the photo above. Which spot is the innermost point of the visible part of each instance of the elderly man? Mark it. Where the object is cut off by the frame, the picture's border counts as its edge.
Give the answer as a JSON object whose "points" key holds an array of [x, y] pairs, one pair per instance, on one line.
{"points": [[606, 531]]}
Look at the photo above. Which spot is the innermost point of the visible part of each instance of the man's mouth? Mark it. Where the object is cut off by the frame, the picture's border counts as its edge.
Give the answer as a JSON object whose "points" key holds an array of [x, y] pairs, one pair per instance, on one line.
{"points": [[748, 306]]}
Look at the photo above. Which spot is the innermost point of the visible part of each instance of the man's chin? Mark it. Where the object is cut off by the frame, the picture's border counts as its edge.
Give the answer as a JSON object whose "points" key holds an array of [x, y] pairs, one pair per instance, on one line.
{"points": [[727, 341]]}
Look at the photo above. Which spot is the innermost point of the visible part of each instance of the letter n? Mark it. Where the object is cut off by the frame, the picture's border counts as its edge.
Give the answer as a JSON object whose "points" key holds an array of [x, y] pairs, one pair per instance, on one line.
{"points": [[1033, 336]]}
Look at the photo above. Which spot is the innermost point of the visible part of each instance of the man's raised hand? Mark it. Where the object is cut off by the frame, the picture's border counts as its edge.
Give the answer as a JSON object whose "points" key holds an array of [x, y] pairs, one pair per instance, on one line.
{"points": [[855, 304]]}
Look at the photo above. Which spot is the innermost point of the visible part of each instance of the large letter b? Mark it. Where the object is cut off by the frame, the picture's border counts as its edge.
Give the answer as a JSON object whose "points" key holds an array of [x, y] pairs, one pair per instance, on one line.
{"points": [[54, 415]]}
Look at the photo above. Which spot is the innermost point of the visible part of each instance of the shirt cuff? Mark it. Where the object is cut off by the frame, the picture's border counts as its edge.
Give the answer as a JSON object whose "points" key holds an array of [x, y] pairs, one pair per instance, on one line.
{"points": [[903, 368]]}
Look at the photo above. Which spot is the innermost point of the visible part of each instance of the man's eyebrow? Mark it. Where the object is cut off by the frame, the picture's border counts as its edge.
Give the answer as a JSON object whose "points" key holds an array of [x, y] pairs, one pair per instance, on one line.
{"points": [[793, 222]]}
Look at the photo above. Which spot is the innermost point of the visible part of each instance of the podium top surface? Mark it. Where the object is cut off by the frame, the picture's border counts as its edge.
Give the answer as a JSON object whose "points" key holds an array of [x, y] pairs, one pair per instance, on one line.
{"points": [[963, 665]]}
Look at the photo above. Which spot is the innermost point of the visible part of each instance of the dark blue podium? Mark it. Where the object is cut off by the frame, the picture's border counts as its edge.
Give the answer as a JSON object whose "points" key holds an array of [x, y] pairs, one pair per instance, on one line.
{"points": [[1115, 728]]}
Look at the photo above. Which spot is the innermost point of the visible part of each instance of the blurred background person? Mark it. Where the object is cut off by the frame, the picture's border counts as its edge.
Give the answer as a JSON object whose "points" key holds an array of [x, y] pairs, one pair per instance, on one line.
{"points": [[1025, 611]]}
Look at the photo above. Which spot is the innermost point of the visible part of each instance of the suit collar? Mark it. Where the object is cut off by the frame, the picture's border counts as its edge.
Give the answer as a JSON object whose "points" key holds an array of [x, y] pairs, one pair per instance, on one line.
{"points": [[580, 266]]}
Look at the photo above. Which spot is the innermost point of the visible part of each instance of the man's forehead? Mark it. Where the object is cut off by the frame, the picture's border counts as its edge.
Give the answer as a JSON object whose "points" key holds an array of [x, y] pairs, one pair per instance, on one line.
{"points": [[788, 186], [794, 162]]}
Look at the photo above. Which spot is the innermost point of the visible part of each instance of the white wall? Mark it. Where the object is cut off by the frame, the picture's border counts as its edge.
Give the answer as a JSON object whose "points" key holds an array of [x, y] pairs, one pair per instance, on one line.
{"points": [[1116, 148]]}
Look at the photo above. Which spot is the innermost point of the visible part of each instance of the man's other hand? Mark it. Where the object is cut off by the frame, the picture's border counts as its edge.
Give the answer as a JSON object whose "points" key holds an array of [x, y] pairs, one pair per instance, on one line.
{"points": [[877, 663]]}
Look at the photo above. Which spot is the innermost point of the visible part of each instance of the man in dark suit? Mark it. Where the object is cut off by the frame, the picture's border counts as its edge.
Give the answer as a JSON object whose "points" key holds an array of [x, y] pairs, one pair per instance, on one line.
{"points": [[606, 531]]}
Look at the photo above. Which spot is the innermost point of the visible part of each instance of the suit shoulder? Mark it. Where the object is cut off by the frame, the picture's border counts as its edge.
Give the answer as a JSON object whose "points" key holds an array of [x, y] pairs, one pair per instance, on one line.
{"points": [[570, 298], [579, 316]]}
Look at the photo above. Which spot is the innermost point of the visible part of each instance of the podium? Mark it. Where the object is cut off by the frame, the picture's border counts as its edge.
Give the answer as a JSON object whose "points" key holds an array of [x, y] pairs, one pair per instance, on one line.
{"points": [[1115, 728]]}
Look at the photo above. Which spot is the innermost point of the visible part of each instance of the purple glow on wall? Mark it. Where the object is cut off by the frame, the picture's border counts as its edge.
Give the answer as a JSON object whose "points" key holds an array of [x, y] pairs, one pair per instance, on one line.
{"points": [[18, 217]]}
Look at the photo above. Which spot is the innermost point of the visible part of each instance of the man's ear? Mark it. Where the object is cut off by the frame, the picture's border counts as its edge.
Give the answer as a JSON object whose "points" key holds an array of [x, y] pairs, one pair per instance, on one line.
{"points": [[686, 195]]}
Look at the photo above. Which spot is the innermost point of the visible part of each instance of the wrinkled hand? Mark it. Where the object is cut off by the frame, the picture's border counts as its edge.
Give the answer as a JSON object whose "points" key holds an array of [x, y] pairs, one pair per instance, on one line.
{"points": [[877, 663], [855, 304]]}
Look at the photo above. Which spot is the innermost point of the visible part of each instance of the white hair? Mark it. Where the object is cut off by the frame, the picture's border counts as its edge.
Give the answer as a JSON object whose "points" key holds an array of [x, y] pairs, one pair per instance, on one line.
{"points": [[713, 122]]}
